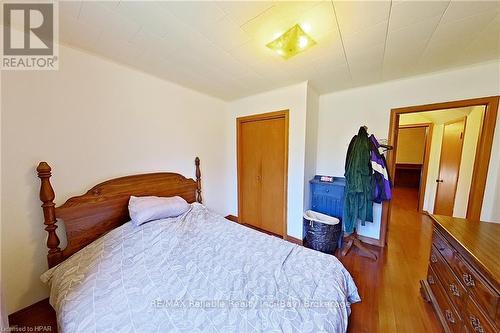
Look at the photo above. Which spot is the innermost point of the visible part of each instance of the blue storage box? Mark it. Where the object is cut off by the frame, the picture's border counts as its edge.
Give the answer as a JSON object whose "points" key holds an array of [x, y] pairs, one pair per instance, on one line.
{"points": [[328, 198]]}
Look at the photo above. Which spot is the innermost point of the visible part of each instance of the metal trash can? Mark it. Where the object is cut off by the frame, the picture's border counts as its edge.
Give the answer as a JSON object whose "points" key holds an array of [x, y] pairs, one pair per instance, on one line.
{"points": [[321, 231]]}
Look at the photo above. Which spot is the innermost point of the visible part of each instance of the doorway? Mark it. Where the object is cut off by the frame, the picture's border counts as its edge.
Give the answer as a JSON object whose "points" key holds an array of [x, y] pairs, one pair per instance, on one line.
{"points": [[471, 203], [262, 153], [412, 160]]}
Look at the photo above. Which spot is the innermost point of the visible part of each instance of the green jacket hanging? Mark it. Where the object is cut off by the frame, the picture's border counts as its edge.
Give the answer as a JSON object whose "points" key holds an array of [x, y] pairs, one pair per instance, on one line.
{"points": [[358, 204]]}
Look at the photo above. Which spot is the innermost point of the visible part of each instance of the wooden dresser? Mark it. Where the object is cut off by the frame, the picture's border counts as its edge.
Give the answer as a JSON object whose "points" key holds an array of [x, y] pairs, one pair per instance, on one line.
{"points": [[463, 278]]}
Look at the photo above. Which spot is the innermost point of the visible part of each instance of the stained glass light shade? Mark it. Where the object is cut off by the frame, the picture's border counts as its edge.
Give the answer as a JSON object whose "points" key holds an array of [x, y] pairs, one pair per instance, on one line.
{"points": [[292, 42]]}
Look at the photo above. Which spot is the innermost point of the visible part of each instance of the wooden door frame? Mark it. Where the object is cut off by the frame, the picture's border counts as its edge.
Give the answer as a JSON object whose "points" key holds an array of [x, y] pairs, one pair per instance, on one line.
{"points": [[259, 117], [464, 119], [482, 158], [425, 165]]}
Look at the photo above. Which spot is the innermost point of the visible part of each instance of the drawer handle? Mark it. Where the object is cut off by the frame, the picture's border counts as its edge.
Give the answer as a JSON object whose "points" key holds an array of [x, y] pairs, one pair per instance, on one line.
{"points": [[430, 279], [454, 290], [476, 324], [468, 280], [327, 190], [449, 316], [433, 258]]}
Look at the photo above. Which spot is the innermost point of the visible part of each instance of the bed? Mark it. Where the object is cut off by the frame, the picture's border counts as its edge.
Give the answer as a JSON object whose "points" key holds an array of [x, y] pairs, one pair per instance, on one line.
{"points": [[195, 272]]}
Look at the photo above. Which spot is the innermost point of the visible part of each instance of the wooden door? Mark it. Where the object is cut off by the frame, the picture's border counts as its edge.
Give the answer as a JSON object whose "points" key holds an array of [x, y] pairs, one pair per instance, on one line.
{"points": [[449, 166], [262, 171]]}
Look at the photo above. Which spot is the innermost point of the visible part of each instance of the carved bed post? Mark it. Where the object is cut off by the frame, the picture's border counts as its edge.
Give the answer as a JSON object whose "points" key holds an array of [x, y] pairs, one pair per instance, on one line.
{"points": [[47, 196], [198, 180]]}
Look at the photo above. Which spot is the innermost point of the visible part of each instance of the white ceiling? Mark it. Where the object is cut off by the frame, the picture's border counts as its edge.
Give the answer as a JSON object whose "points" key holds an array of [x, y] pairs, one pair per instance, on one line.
{"points": [[219, 48]]}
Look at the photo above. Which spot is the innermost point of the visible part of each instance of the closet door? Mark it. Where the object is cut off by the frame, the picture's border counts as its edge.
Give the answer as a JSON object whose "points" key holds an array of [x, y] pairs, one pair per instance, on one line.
{"points": [[262, 171], [273, 175], [249, 174]]}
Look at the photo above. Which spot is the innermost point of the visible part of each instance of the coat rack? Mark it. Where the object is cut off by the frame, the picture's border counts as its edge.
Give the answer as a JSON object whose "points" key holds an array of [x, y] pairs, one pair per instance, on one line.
{"points": [[353, 239]]}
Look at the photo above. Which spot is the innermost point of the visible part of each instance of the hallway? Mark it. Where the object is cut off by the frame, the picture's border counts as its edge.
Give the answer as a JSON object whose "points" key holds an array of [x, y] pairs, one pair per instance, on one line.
{"points": [[389, 287]]}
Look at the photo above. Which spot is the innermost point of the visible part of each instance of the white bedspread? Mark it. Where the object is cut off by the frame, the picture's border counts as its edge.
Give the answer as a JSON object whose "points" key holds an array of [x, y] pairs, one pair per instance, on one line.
{"points": [[199, 273]]}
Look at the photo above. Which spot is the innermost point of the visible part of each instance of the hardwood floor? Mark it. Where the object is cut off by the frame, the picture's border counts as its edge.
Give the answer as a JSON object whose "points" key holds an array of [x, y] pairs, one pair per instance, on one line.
{"points": [[389, 287], [38, 317]]}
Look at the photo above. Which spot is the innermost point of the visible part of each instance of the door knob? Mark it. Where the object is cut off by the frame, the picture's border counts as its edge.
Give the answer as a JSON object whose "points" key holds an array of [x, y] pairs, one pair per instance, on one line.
{"points": [[439, 180]]}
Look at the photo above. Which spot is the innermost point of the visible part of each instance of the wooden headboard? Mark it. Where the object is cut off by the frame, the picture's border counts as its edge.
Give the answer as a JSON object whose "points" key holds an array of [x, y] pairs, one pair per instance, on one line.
{"points": [[105, 206]]}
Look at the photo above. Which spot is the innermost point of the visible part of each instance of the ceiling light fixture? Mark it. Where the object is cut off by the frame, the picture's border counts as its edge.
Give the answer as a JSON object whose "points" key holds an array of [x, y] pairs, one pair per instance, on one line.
{"points": [[306, 27], [292, 42]]}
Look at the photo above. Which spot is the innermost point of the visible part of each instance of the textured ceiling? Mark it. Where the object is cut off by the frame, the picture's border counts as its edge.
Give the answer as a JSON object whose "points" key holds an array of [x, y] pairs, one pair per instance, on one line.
{"points": [[219, 47]]}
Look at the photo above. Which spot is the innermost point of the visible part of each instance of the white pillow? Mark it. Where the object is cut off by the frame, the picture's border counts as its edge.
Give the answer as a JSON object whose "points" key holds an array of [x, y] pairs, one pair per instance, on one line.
{"points": [[145, 209]]}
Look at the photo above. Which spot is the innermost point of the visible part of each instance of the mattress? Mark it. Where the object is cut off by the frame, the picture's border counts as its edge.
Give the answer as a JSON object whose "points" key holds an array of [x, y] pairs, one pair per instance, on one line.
{"points": [[199, 273]]}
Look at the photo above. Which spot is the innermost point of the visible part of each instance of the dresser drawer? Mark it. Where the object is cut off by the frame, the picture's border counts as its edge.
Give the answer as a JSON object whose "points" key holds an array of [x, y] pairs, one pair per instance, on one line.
{"points": [[431, 277], [328, 189], [449, 312], [476, 321], [452, 286], [487, 298], [443, 246]]}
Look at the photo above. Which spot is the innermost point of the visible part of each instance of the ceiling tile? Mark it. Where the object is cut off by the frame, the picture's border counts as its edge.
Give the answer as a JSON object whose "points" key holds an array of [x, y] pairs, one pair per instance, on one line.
{"points": [[150, 15], [331, 54], [69, 9], [490, 36], [398, 49], [220, 47], [337, 78], [76, 33], [94, 14], [405, 13], [277, 19], [254, 52], [462, 31], [149, 42], [354, 16], [366, 38], [320, 21], [460, 9], [243, 11], [225, 34], [367, 58], [119, 27], [195, 13]]}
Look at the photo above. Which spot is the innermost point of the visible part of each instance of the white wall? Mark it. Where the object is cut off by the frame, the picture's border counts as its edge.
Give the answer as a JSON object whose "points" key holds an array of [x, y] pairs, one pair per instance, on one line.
{"points": [[312, 114], [411, 145], [471, 136], [342, 113], [293, 98], [93, 120]]}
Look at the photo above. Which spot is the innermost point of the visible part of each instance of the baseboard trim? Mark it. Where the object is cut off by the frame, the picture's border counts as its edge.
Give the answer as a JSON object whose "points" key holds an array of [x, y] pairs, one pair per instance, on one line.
{"points": [[232, 218], [370, 240], [294, 240]]}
